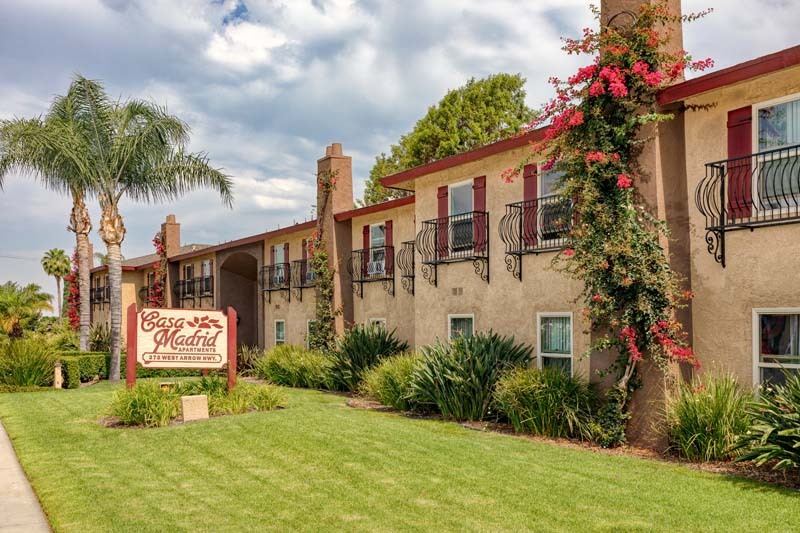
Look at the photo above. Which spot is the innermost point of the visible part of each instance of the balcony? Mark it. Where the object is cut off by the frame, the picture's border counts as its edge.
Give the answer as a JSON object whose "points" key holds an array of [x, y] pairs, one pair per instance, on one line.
{"points": [[749, 192], [275, 277], [146, 293], [99, 295], [533, 227], [302, 277], [372, 264], [194, 289], [452, 239], [406, 262]]}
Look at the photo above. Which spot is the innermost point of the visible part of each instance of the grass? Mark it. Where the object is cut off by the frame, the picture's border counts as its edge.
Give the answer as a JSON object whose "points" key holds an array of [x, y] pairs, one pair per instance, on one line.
{"points": [[320, 465]]}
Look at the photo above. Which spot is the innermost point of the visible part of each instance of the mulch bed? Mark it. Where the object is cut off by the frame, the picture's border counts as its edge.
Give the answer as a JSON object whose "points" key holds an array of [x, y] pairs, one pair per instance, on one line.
{"points": [[749, 471]]}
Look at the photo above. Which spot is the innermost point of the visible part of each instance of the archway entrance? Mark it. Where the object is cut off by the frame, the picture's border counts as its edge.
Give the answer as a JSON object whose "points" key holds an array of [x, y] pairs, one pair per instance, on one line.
{"points": [[238, 288]]}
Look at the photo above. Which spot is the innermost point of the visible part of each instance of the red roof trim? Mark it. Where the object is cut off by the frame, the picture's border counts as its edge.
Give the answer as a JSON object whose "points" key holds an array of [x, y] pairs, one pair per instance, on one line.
{"points": [[105, 267], [728, 76], [376, 208], [247, 240], [464, 157]]}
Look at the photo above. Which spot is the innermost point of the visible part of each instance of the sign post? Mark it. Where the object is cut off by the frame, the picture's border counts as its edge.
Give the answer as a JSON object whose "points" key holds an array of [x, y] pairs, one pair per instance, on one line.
{"points": [[181, 339]]}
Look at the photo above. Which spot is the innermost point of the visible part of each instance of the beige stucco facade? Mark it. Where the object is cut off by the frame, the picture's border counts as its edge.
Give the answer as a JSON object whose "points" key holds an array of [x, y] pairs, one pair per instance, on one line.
{"points": [[761, 269]]}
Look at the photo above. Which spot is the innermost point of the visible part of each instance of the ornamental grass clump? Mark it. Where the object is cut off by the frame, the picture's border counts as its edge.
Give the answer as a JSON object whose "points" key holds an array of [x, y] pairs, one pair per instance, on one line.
{"points": [[146, 404], [26, 363], [390, 381], [547, 402], [597, 127], [360, 348], [293, 366], [458, 377], [774, 433], [705, 419]]}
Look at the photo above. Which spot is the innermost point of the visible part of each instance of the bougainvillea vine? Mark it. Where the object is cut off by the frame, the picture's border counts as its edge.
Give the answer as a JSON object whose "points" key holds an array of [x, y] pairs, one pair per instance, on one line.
{"points": [[155, 292], [73, 294], [594, 137], [322, 335]]}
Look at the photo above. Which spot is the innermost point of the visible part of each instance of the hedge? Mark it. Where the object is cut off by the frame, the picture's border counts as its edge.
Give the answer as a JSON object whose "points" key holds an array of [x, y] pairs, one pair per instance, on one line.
{"points": [[78, 367]]}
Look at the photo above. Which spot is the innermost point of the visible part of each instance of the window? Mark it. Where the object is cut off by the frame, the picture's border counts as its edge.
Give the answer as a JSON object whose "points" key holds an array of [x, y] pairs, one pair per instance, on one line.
{"points": [[278, 274], [280, 332], [205, 268], [188, 271], [379, 321], [776, 344], [151, 279], [461, 207], [555, 341], [460, 326], [377, 250], [555, 211], [776, 124]]}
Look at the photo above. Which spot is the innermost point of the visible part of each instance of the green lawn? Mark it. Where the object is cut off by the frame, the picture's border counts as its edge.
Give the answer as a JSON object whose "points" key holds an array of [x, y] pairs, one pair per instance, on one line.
{"points": [[320, 465]]}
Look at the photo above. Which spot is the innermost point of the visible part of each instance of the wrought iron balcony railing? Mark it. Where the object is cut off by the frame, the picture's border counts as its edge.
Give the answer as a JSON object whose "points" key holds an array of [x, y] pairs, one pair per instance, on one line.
{"points": [[185, 289], [372, 264], [147, 292], [302, 277], [761, 189], [99, 295], [406, 262], [194, 288], [275, 277], [463, 237], [534, 226]]}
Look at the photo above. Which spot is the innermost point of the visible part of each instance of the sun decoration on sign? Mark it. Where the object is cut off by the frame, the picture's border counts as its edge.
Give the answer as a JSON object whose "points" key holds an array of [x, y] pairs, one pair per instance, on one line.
{"points": [[204, 323]]}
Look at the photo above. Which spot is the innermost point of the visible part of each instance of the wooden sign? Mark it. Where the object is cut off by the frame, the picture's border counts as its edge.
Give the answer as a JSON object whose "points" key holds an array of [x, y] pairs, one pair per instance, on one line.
{"points": [[181, 338]]}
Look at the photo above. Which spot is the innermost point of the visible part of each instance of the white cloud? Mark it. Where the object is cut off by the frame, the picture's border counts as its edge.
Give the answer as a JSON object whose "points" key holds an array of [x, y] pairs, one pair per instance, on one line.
{"points": [[244, 45]]}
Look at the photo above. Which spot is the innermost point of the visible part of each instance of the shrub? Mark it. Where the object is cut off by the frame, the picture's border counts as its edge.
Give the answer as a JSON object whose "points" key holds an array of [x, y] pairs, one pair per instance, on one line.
{"points": [[359, 349], [546, 402], [77, 367], [146, 404], [704, 420], [247, 358], [458, 378], [390, 381], [100, 337], [26, 363], [244, 397], [774, 434], [293, 366]]}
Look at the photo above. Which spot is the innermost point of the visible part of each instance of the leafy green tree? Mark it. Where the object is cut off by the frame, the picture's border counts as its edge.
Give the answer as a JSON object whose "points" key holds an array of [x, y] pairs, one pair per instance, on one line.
{"points": [[481, 112], [21, 307], [56, 263]]}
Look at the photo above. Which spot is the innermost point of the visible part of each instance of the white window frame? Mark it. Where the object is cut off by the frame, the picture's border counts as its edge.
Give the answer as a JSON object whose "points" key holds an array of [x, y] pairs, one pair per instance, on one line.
{"points": [[275, 330], [450, 318], [381, 321], [757, 364], [279, 270], [373, 253], [540, 354], [469, 183], [203, 264], [754, 109], [185, 267], [540, 194]]}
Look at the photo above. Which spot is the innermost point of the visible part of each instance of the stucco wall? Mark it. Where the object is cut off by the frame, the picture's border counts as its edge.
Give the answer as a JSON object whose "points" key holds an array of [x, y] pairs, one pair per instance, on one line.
{"points": [[762, 266], [505, 304], [292, 307], [377, 302], [197, 262]]}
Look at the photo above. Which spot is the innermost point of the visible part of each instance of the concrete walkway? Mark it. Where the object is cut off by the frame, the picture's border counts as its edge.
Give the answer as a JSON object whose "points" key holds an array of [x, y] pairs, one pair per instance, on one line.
{"points": [[19, 508]]}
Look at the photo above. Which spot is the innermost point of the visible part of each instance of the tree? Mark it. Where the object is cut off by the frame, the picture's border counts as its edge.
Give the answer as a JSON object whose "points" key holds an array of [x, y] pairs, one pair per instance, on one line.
{"points": [[481, 112], [56, 263], [50, 149], [132, 149], [103, 258], [20, 307]]}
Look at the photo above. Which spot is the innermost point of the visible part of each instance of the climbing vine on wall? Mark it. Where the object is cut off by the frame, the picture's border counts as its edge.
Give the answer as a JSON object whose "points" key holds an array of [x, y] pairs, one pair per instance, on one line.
{"points": [[155, 293], [322, 335], [73, 294], [595, 136]]}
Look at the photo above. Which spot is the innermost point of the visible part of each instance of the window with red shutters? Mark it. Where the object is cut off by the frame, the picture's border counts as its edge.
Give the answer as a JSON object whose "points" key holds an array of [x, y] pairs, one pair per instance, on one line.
{"points": [[388, 239], [442, 222], [530, 191]]}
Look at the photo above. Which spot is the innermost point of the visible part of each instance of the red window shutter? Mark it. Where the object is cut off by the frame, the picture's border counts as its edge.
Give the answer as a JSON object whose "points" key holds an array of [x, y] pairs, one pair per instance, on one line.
{"points": [[441, 223], [272, 255], [304, 264], [740, 144], [530, 192], [304, 244], [479, 228], [286, 252], [365, 253], [389, 247]]}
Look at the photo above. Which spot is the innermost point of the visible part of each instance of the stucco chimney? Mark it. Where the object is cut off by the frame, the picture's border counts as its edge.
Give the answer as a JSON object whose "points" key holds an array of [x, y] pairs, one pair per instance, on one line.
{"points": [[622, 12], [171, 232], [335, 161]]}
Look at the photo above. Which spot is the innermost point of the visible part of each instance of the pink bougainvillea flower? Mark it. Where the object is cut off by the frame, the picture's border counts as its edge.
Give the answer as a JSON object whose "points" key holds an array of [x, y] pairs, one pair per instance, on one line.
{"points": [[597, 88], [597, 298], [624, 181], [618, 89], [576, 119], [569, 252], [595, 157]]}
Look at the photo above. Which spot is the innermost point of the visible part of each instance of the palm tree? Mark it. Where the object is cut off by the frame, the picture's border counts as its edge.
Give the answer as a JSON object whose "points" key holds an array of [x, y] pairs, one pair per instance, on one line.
{"points": [[132, 149], [103, 258], [56, 263], [20, 307], [50, 149]]}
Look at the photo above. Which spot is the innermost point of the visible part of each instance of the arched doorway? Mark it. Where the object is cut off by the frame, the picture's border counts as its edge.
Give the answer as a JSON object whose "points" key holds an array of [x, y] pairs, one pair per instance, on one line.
{"points": [[238, 288]]}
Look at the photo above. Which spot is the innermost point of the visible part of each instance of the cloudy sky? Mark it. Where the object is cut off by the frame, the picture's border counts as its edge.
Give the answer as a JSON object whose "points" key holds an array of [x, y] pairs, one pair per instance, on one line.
{"points": [[266, 84]]}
